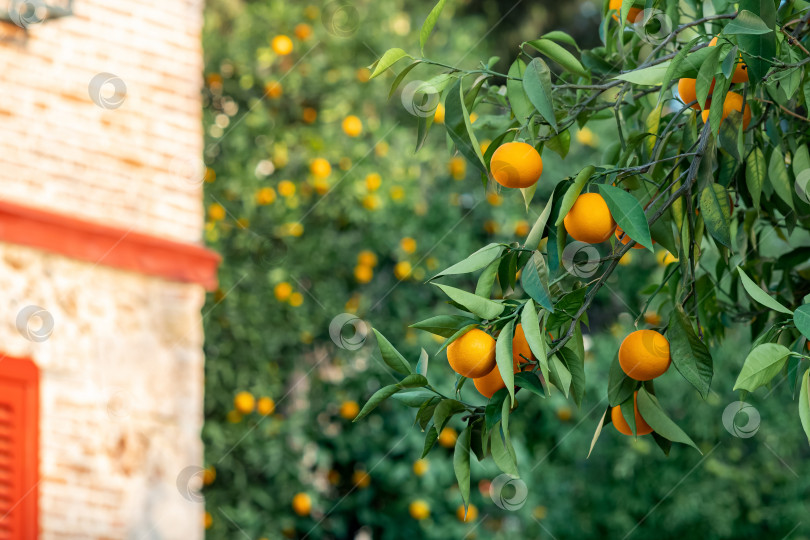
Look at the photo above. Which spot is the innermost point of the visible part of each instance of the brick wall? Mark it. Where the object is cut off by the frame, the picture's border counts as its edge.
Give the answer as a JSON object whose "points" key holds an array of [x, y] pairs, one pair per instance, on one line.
{"points": [[121, 386], [136, 166]]}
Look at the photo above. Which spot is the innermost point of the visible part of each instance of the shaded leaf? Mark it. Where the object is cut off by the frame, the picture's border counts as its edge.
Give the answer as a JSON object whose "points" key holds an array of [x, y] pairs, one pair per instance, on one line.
{"points": [[716, 213], [476, 261], [537, 85], [378, 397], [755, 170], [444, 325], [560, 55], [759, 295], [628, 213], [650, 409], [761, 365], [461, 464], [801, 318], [689, 354], [503, 357], [391, 356], [483, 307]]}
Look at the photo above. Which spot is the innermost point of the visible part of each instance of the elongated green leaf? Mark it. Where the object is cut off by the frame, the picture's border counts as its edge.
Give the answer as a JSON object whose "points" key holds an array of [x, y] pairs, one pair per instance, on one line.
{"points": [[430, 22], [474, 262], [689, 354], [761, 365], [414, 380], [650, 76], [598, 432], [500, 452], [483, 307], [413, 398], [778, 177], [536, 234], [561, 37], [534, 280], [673, 66], [521, 106], [804, 404], [759, 295], [801, 162], [401, 76], [576, 367], [534, 336], [388, 59], [487, 279], [801, 318], [628, 213], [652, 413], [492, 413], [461, 465], [430, 439], [537, 85], [378, 397], [457, 123], [445, 410], [758, 49], [444, 325], [560, 144], [503, 357], [620, 386], [755, 171], [747, 23], [716, 213], [530, 381], [705, 76], [560, 55], [573, 192], [391, 356], [559, 375]]}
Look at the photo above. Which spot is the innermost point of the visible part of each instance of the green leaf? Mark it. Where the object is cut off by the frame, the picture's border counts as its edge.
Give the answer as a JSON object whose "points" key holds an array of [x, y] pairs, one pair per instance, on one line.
{"points": [[430, 439], [747, 23], [430, 22], [716, 213], [487, 279], [650, 76], [534, 281], [444, 325], [705, 75], [388, 59], [501, 455], [804, 404], [521, 106], [758, 50], [560, 144], [560, 55], [672, 67], [620, 386], [561, 37], [650, 410], [536, 234], [414, 380], [573, 192], [534, 336], [483, 307], [402, 74], [759, 295], [413, 398], [391, 356], [503, 357], [537, 85], [755, 170], [778, 176], [801, 318], [474, 262], [689, 354], [378, 397], [492, 413], [461, 464], [559, 375], [530, 381], [801, 161], [628, 213], [445, 410], [761, 365], [576, 367], [457, 123], [598, 432]]}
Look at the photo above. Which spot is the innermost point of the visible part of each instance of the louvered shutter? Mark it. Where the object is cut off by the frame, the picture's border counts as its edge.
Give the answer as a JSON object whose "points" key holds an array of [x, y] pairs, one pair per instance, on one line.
{"points": [[19, 449]]}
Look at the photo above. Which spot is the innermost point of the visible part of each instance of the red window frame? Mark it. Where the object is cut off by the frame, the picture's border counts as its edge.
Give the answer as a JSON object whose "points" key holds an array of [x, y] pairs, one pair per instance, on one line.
{"points": [[19, 445]]}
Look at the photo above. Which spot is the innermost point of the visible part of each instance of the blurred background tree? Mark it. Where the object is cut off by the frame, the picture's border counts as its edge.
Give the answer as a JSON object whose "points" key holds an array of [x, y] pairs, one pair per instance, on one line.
{"points": [[321, 208]]}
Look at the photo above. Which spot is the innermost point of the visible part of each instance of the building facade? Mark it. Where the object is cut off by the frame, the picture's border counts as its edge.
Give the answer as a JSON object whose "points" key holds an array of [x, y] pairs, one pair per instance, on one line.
{"points": [[102, 269]]}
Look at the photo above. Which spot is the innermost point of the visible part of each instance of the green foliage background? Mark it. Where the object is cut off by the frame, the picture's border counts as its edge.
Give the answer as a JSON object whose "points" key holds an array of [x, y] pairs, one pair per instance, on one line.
{"points": [[740, 488]]}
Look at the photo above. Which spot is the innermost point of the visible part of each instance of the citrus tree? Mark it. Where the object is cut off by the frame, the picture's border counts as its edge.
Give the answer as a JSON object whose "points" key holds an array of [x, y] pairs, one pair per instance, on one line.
{"points": [[708, 160]]}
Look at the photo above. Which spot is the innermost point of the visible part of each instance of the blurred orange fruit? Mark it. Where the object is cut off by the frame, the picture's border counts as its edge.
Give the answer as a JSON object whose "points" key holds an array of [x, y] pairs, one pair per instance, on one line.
{"points": [[448, 437], [320, 168], [352, 126], [282, 45], [302, 504], [303, 31], [244, 402], [419, 510], [471, 514]]}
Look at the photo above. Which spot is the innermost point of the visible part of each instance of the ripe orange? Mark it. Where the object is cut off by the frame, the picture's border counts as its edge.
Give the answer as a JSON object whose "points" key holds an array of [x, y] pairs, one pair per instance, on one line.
{"points": [[274, 89], [420, 467], [686, 90], [623, 238], [320, 168], [309, 115], [632, 13], [265, 196], [471, 513], [303, 31], [302, 504], [740, 74], [352, 126], [733, 102], [361, 479], [516, 165], [282, 45], [244, 402], [447, 437], [473, 354], [367, 258], [492, 381], [419, 510], [265, 406], [349, 409], [644, 355], [642, 427], [363, 273], [521, 347], [438, 116], [402, 270], [458, 167], [589, 220]]}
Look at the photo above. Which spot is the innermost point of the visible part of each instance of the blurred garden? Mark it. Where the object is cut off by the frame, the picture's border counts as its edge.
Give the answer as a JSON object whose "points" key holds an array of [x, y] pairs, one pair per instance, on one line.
{"points": [[329, 222]]}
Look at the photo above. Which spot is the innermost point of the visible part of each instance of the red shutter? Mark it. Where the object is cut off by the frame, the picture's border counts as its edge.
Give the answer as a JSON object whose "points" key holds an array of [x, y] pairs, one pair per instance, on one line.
{"points": [[19, 449]]}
